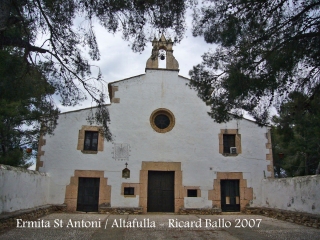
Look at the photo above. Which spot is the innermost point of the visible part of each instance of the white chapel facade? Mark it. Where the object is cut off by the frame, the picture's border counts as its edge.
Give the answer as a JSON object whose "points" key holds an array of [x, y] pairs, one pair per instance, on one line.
{"points": [[167, 154]]}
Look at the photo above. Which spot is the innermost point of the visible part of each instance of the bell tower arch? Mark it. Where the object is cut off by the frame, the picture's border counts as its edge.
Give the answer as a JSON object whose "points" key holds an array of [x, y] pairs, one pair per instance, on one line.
{"points": [[162, 49]]}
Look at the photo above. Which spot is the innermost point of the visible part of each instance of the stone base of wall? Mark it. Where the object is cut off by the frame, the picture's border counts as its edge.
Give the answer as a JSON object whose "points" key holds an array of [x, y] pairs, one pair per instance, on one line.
{"points": [[139, 210], [120, 210], [9, 220], [201, 211], [307, 219]]}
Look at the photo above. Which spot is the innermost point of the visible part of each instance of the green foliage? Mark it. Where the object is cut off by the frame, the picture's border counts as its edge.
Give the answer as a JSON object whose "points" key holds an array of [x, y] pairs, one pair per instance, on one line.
{"points": [[297, 135], [267, 49], [26, 108], [16, 157]]}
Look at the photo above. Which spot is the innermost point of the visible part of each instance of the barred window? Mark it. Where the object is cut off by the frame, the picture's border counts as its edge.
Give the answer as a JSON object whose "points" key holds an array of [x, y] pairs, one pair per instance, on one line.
{"points": [[128, 191]]}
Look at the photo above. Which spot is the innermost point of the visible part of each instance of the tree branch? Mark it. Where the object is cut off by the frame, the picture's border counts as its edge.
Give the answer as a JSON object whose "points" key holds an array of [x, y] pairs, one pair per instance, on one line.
{"points": [[18, 42]]}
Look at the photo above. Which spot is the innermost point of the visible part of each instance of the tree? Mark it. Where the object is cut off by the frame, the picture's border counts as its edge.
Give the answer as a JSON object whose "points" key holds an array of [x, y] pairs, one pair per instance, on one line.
{"points": [[26, 109], [267, 49], [40, 39], [297, 135], [22, 22]]}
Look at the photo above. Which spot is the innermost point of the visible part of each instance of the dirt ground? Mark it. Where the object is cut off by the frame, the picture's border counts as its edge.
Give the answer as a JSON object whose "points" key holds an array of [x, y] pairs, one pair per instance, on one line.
{"points": [[158, 226]]}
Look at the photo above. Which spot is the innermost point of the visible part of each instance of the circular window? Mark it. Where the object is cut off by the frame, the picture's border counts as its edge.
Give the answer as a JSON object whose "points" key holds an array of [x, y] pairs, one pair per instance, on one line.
{"points": [[162, 120]]}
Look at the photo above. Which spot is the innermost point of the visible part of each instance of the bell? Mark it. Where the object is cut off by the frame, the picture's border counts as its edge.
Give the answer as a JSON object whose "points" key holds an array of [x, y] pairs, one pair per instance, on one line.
{"points": [[162, 57]]}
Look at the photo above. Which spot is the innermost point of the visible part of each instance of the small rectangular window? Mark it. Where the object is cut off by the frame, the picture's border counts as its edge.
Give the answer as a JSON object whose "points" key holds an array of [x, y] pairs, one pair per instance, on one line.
{"points": [[229, 140], [128, 191], [192, 193], [91, 140]]}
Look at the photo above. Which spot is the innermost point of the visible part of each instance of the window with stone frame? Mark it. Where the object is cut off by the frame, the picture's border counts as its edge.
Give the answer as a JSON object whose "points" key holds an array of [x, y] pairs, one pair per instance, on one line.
{"points": [[229, 140], [91, 140], [162, 120]]}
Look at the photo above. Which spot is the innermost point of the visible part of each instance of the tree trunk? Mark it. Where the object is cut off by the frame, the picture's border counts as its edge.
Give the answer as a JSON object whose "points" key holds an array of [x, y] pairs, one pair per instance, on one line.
{"points": [[278, 170], [318, 169], [306, 165]]}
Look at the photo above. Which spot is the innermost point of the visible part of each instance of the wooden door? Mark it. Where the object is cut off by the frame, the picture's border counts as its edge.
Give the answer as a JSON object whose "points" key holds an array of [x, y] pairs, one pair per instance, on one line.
{"points": [[230, 198], [160, 191], [88, 194]]}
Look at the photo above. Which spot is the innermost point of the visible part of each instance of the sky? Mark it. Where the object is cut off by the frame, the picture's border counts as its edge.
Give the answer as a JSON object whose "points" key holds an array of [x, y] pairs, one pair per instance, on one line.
{"points": [[118, 61]]}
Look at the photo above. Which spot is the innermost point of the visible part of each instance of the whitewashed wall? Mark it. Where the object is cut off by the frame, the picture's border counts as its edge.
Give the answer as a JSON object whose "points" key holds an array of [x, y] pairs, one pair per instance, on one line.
{"points": [[295, 194], [193, 141], [22, 189]]}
